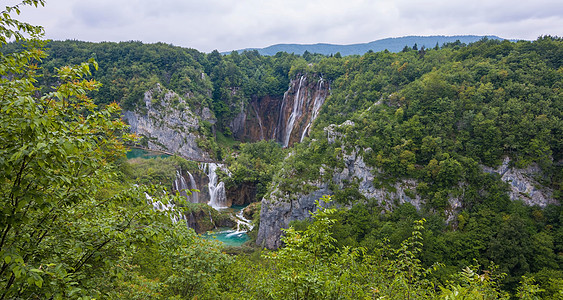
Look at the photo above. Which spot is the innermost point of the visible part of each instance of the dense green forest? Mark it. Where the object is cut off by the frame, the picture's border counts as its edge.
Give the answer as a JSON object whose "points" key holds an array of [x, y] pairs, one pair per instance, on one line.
{"points": [[75, 222]]}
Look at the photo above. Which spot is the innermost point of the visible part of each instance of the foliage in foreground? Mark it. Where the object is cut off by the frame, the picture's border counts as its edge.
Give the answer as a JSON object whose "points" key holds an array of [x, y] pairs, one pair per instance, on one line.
{"points": [[70, 228], [312, 266]]}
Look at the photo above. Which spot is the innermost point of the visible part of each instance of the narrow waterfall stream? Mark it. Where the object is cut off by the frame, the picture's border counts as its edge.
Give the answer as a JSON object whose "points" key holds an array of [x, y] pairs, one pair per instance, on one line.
{"points": [[182, 186], [194, 197]]}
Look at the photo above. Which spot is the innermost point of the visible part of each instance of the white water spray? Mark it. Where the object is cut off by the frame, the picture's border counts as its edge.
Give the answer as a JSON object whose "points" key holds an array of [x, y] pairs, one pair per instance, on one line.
{"points": [[295, 113], [217, 195], [168, 209], [317, 103]]}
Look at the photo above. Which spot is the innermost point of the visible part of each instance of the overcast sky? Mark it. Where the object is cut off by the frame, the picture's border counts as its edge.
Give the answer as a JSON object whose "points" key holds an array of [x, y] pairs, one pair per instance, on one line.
{"points": [[235, 24]]}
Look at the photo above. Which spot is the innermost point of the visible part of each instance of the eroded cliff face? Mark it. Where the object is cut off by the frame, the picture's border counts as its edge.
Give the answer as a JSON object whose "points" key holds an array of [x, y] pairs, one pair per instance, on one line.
{"points": [[167, 124], [279, 209], [243, 194], [204, 220], [523, 184], [286, 120]]}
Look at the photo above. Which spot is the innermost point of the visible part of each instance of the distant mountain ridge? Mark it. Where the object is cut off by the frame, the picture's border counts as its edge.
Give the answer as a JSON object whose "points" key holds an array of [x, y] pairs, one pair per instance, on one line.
{"points": [[391, 44]]}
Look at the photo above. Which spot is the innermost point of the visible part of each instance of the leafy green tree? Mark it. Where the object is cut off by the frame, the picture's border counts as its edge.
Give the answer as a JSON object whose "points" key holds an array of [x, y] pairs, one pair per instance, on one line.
{"points": [[67, 221]]}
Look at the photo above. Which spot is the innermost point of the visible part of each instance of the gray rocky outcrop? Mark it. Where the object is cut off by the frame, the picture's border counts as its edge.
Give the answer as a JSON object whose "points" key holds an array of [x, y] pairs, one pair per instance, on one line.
{"points": [[167, 123], [523, 183], [279, 209], [355, 169], [276, 213]]}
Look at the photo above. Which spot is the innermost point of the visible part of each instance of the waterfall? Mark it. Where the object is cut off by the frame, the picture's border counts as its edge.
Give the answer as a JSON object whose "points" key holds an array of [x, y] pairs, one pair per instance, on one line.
{"points": [[279, 125], [317, 103], [182, 186], [217, 195], [243, 224], [210, 218], [167, 208], [194, 197], [259, 122], [295, 113]]}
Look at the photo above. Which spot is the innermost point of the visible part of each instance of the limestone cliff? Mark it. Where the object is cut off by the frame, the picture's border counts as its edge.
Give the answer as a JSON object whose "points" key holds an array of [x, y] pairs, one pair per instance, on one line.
{"points": [[286, 119], [280, 208], [523, 183], [166, 123]]}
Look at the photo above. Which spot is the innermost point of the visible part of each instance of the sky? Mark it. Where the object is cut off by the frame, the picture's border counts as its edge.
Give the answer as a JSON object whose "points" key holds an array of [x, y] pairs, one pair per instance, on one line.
{"points": [[237, 24]]}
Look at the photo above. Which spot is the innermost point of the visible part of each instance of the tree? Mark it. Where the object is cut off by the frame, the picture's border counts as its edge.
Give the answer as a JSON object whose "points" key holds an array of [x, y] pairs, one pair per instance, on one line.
{"points": [[65, 220]]}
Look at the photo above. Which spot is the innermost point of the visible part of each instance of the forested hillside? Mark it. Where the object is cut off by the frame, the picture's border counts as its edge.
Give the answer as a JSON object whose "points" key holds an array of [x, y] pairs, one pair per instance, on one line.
{"points": [[423, 174]]}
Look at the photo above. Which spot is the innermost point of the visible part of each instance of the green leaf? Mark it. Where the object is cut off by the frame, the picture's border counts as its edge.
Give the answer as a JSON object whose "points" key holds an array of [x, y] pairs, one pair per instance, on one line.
{"points": [[39, 282]]}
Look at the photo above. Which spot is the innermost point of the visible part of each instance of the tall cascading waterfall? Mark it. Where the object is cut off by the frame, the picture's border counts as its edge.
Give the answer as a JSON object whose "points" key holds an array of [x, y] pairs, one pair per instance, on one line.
{"points": [[319, 100], [300, 106], [295, 113], [217, 194]]}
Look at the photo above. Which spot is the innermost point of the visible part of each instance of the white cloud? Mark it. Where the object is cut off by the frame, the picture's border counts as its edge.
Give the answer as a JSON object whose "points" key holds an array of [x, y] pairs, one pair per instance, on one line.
{"points": [[229, 24]]}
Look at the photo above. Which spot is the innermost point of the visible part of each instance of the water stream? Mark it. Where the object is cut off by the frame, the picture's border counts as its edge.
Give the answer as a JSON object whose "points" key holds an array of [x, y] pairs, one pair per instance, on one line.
{"points": [[317, 103], [229, 236], [217, 195], [295, 113]]}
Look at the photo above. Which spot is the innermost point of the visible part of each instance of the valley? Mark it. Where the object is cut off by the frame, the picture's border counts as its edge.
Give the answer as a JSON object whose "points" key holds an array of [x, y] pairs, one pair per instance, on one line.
{"points": [[151, 171]]}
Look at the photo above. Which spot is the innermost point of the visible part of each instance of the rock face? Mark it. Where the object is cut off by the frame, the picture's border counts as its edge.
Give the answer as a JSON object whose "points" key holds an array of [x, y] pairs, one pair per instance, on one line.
{"points": [[278, 210], [204, 220], [356, 169], [242, 195], [200, 221], [523, 185], [167, 123], [258, 121], [286, 120]]}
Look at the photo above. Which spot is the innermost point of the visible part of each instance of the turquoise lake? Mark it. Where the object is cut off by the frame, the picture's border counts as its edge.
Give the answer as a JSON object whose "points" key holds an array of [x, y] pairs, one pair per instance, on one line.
{"points": [[142, 153]]}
